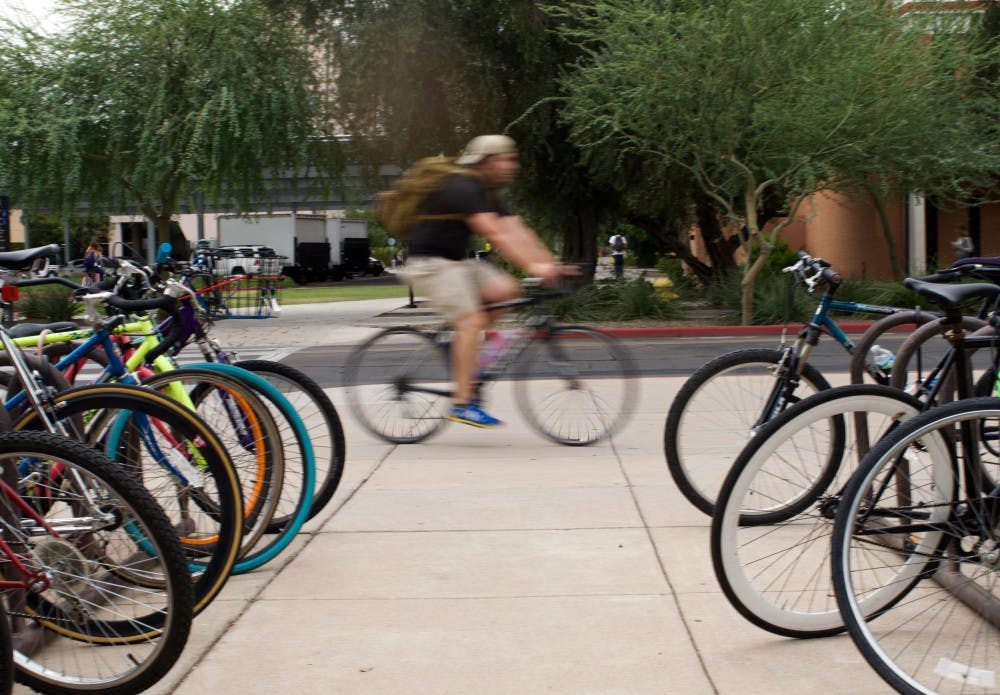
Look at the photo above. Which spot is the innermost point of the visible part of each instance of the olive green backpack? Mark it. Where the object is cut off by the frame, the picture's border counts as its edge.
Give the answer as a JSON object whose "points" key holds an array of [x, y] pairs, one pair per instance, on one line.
{"points": [[398, 209]]}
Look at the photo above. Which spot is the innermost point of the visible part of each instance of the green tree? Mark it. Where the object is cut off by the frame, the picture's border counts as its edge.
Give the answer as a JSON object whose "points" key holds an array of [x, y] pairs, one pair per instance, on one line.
{"points": [[773, 100], [420, 77], [139, 106], [48, 229]]}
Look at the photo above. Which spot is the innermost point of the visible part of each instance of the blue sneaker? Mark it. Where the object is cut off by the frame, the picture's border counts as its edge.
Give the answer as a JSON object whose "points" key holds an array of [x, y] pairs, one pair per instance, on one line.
{"points": [[472, 414]]}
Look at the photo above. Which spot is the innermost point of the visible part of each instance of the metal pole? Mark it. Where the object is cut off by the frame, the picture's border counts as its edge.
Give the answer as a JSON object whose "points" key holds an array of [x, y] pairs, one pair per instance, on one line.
{"points": [[150, 242], [201, 216], [66, 249]]}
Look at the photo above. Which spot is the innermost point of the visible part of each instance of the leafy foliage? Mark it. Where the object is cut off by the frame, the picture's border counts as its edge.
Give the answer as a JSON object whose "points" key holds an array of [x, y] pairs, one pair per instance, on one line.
{"points": [[780, 99], [48, 305], [139, 106], [615, 301]]}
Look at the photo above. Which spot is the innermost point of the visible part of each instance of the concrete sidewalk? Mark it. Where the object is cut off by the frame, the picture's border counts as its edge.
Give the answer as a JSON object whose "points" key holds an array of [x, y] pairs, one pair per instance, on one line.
{"points": [[492, 561]]}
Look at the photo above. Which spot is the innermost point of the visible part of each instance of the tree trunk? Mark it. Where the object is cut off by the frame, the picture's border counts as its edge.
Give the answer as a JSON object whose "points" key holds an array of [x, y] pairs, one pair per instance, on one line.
{"points": [[720, 249], [580, 240], [747, 283]]}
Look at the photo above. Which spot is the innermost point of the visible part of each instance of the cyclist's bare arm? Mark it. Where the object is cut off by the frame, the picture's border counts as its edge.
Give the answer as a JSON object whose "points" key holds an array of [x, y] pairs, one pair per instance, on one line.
{"points": [[516, 242]]}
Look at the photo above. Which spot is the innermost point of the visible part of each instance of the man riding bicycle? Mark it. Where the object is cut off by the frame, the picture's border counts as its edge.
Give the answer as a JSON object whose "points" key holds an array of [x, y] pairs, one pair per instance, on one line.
{"points": [[439, 266]]}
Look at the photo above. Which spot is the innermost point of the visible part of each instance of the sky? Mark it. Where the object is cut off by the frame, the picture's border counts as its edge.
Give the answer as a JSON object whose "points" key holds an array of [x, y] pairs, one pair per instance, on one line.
{"points": [[37, 13]]}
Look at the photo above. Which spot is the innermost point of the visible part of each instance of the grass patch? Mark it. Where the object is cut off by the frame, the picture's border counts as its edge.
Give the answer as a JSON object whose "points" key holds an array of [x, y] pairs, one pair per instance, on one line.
{"points": [[303, 294]]}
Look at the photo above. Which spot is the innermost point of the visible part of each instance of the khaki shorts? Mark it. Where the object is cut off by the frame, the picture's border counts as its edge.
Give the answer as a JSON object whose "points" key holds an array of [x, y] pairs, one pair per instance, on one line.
{"points": [[452, 287]]}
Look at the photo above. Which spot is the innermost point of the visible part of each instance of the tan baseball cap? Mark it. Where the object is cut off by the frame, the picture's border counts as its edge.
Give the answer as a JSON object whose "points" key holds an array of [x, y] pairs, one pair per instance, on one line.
{"points": [[481, 147]]}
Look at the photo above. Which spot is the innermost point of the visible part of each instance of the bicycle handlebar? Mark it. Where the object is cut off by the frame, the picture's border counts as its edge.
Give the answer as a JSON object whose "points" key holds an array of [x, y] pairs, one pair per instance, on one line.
{"points": [[813, 270]]}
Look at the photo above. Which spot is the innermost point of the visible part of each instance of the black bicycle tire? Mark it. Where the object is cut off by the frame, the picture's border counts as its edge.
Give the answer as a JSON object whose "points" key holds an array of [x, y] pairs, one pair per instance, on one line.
{"points": [[696, 381], [102, 398], [916, 429], [327, 483], [352, 372], [176, 628], [875, 332], [300, 495], [620, 360], [931, 331]]}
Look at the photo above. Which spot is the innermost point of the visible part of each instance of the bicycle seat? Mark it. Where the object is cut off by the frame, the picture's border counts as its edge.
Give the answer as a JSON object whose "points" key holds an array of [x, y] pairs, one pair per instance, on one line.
{"points": [[23, 330], [950, 297], [22, 260]]}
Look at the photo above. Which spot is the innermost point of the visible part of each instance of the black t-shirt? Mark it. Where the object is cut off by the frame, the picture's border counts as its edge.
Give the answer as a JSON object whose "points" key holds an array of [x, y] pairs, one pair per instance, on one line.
{"points": [[462, 196]]}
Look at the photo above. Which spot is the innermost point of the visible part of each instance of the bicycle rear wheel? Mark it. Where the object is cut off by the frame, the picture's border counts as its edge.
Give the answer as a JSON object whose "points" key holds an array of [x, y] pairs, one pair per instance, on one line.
{"points": [[321, 421], [399, 384], [116, 608], [249, 432], [717, 412], [908, 527], [576, 385]]}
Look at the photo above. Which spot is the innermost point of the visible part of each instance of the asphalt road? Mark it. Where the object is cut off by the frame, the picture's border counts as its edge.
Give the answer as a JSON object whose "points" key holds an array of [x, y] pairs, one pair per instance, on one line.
{"points": [[653, 356]]}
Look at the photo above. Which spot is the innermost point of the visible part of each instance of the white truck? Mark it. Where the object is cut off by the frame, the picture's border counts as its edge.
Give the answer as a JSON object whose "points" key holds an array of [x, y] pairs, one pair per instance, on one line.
{"points": [[350, 250], [301, 239]]}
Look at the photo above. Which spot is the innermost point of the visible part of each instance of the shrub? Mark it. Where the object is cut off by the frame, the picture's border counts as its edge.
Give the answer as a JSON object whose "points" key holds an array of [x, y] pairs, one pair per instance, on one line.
{"points": [[48, 305], [614, 300]]}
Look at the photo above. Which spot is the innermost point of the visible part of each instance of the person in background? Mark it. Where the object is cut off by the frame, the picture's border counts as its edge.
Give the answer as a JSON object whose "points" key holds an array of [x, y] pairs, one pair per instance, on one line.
{"points": [[619, 245], [92, 267], [963, 244]]}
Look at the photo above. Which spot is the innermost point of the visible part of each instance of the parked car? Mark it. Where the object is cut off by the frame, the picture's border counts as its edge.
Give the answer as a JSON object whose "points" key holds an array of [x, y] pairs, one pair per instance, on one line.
{"points": [[375, 267], [243, 260]]}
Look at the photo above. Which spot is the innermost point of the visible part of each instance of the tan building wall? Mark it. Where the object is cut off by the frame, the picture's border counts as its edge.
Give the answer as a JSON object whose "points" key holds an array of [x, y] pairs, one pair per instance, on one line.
{"points": [[850, 235]]}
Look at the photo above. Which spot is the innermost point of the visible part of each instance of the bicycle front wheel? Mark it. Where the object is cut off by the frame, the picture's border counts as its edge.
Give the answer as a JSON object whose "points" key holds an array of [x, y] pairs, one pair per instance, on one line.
{"points": [[912, 525], [576, 385], [110, 604], [399, 384], [717, 412], [176, 457], [771, 529]]}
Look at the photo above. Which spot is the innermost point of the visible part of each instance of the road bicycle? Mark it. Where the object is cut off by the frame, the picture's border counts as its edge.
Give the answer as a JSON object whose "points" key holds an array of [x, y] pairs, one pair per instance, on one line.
{"points": [[723, 404], [917, 531], [308, 398], [94, 579], [574, 385]]}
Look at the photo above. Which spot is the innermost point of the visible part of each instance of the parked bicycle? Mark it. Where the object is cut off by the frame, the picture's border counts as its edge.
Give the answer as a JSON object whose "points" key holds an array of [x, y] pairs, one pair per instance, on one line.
{"points": [[573, 384], [724, 403], [917, 531]]}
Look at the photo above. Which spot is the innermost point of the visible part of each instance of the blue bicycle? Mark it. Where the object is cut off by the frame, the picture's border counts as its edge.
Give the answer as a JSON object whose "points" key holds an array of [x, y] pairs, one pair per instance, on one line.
{"points": [[722, 404]]}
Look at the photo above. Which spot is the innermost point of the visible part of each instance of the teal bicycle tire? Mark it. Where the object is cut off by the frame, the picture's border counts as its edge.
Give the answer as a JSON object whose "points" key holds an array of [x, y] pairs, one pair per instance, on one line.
{"points": [[277, 542]]}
